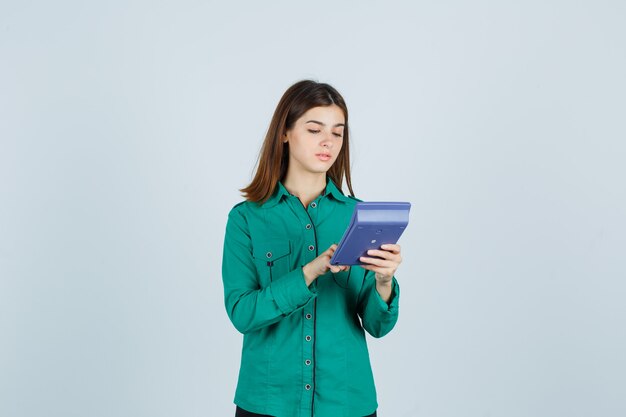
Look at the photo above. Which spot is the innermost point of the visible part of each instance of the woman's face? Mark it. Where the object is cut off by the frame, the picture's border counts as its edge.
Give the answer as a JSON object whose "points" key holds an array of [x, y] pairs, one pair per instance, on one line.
{"points": [[316, 139]]}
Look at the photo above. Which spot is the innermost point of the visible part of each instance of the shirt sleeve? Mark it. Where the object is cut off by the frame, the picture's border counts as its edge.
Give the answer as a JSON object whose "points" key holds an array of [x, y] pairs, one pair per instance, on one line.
{"points": [[377, 316], [248, 306]]}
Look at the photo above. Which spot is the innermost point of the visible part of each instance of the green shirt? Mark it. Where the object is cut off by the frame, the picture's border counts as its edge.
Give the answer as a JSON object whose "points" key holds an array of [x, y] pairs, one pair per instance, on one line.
{"points": [[304, 349]]}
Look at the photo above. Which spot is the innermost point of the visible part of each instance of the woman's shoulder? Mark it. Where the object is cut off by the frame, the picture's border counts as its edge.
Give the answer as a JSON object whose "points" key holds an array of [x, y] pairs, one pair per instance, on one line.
{"points": [[351, 201], [354, 199], [238, 216], [239, 207], [243, 208]]}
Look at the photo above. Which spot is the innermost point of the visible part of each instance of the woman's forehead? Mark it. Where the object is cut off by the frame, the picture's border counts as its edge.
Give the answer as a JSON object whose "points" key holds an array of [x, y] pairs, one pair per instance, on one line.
{"points": [[327, 115]]}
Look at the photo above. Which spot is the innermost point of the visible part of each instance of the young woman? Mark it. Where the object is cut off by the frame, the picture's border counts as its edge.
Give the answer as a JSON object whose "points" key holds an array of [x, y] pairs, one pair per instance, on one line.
{"points": [[304, 349]]}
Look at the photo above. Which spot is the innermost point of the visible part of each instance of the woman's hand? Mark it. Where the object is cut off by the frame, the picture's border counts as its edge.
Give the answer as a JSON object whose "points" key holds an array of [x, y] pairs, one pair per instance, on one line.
{"points": [[321, 265], [384, 268]]}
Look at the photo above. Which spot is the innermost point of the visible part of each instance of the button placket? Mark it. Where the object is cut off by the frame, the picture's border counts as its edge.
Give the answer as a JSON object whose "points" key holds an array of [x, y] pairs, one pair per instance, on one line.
{"points": [[308, 230], [313, 210], [308, 329], [308, 218]]}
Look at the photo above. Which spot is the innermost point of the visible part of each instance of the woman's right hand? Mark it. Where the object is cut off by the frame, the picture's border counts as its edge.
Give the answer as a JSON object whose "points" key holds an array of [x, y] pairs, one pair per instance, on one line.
{"points": [[321, 265]]}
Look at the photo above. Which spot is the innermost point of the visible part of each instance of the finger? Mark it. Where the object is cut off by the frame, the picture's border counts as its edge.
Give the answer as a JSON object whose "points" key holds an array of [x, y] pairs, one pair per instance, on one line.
{"points": [[383, 254], [378, 262], [377, 269], [395, 248], [338, 268], [387, 263], [329, 251]]}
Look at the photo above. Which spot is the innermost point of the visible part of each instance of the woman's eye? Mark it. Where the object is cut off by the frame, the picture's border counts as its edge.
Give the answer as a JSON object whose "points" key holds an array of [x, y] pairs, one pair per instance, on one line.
{"points": [[314, 131], [337, 134]]}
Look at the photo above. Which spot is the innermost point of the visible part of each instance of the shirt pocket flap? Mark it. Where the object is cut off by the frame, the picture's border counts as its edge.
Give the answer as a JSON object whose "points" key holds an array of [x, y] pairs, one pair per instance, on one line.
{"points": [[271, 250]]}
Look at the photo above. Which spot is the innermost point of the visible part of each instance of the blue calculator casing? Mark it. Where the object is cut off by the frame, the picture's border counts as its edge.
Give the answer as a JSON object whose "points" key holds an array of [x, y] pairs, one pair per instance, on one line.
{"points": [[372, 224]]}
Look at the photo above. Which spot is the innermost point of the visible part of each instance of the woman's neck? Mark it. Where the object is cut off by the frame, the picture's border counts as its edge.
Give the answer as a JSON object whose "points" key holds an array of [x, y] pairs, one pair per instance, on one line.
{"points": [[305, 187]]}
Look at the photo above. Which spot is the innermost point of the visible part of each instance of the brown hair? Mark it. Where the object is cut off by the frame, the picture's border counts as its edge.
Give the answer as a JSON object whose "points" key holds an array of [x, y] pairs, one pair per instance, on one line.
{"points": [[274, 156]]}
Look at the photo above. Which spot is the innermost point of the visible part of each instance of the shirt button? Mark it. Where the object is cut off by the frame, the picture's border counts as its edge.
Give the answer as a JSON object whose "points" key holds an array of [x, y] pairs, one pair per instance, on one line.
{"points": [[308, 338], [307, 387], [311, 247], [268, 254], [308, 316], [313, 204], [307, 362], [308, 226]]}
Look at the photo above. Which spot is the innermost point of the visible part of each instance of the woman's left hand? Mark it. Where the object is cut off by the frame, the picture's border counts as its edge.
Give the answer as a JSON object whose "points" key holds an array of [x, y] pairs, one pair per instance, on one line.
{"points": [[384, 268]]}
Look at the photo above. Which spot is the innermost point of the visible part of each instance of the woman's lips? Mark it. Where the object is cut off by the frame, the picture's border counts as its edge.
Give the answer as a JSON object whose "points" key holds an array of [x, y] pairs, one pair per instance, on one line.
{"points": [[322, 156]]}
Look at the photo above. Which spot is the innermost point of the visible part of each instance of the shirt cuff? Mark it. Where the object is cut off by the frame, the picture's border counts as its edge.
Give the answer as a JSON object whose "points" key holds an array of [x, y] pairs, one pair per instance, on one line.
{"points": [[291, 292]]}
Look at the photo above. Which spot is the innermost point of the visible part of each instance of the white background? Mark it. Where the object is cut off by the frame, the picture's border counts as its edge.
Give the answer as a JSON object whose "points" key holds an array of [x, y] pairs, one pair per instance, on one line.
{"points": [[126, 129]]}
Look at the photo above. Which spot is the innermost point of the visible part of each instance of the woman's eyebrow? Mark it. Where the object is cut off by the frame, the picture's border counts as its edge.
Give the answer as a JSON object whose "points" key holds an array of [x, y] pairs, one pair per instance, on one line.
{"points": [[322, 124]]}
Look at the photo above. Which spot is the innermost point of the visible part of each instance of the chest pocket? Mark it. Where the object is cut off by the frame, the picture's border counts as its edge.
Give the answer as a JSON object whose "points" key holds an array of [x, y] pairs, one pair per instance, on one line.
{"points": [[272, 260]]}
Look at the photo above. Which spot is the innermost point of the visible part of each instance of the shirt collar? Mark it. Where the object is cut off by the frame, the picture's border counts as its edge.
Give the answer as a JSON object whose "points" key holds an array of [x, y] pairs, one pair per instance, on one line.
{"points": [[332, 189], [281, 192]]}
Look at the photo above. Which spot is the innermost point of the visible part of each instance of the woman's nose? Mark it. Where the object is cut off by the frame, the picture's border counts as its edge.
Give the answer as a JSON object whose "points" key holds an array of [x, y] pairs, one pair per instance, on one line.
{"points": [[328, 141]]}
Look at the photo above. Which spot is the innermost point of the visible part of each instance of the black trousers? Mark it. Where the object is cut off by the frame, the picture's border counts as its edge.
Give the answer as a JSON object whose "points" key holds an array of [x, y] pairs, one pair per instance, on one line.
{"points": [[240, 412]]}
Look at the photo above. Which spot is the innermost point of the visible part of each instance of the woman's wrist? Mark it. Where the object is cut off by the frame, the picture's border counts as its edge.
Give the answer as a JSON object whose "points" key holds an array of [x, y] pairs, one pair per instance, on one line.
{"points": [[309, 277], [383, 281], [384, 289]]}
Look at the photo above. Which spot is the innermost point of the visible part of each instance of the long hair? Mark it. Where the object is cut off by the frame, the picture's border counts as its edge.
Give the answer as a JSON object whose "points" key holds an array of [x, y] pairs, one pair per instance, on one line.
{"points": [[273, 159]]}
